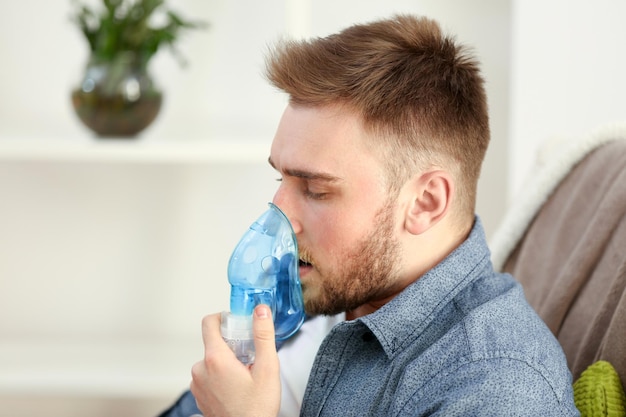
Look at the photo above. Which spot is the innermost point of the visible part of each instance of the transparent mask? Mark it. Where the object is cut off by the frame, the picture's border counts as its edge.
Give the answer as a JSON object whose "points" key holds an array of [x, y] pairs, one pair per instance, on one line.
{"points": [[263, 269]]}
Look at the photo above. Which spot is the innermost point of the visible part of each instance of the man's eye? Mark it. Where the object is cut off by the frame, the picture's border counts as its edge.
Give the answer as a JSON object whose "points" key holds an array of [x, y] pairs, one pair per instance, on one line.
{"points": [[315, 196]]}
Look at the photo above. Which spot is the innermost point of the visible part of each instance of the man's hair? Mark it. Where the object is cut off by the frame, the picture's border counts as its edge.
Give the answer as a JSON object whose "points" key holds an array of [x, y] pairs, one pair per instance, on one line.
{"points": [[418, 91]]}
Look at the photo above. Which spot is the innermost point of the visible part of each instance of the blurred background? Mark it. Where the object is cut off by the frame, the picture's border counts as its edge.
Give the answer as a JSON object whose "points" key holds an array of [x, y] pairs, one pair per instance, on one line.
{"points": [[111, 251]]}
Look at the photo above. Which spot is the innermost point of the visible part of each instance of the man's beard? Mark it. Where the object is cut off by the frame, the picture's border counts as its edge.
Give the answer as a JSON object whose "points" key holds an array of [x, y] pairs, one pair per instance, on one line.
{"points": [[367, 272]]}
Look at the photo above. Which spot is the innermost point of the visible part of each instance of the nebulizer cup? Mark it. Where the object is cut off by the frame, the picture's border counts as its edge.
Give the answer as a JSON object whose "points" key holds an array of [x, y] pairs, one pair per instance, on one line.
{"points": [[263, 269]]}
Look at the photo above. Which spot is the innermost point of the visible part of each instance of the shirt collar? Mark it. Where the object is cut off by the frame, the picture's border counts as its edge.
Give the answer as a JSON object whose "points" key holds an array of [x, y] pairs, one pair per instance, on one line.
{"points": [[401, 320]]}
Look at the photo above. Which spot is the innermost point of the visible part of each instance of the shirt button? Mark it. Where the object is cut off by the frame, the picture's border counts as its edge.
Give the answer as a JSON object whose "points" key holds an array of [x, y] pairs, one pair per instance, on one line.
{"points": [[368, 337]]}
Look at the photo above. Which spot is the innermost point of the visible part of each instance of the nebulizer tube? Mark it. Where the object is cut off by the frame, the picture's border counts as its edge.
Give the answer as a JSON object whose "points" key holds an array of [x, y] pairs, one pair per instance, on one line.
{"points": [[263, 269]]}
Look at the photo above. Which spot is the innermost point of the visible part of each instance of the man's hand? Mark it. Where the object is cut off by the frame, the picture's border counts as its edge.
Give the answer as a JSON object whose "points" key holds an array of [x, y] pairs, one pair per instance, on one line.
{"points": [[223, 386]]}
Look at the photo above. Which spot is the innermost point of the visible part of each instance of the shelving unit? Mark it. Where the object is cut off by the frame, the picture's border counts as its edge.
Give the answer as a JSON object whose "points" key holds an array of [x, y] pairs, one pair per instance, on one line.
{"points": [[89, 369], [133, 151], [111, 252]]}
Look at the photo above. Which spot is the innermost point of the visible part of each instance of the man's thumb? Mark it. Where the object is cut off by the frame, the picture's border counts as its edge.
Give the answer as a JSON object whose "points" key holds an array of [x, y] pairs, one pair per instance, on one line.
{"points": [[263, 325], [264, 342]]}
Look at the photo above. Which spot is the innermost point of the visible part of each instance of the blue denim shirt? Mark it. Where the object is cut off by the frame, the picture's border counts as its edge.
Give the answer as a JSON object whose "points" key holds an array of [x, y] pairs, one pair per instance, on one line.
{"points": [[460, 341]]}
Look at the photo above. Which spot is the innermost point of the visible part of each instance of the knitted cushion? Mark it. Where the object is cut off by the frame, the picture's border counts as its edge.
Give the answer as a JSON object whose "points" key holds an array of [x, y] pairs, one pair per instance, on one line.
{"points": [[599, 392]]}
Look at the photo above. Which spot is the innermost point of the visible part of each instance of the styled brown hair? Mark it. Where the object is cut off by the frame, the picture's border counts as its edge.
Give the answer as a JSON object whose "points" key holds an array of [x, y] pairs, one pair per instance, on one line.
{"points": [[418, 91]]}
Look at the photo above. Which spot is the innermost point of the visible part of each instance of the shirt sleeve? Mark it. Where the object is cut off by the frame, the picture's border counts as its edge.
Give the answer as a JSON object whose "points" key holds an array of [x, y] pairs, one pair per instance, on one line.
{"points": [[296, 358], [185, 406]]}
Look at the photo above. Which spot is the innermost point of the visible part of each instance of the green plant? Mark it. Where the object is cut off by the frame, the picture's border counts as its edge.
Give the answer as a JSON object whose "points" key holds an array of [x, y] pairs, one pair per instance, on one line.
{"points": [[137, 26]]}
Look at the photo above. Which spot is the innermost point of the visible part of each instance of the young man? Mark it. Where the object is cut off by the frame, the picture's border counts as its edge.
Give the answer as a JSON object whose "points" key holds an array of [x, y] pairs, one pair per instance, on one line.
{"points": [[379, 153]]}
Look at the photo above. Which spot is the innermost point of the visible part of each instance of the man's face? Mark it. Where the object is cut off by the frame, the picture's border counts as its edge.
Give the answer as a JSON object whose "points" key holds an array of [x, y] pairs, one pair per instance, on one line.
{"points": [[334, 193]]}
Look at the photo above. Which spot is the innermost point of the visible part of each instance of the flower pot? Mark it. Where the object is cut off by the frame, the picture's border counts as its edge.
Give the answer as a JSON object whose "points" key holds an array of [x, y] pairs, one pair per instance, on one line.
{"points": [[117, 98]]}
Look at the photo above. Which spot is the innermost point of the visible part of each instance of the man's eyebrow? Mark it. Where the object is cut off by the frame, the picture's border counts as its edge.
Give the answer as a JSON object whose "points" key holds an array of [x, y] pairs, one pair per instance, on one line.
{"points": [[307, 175]]}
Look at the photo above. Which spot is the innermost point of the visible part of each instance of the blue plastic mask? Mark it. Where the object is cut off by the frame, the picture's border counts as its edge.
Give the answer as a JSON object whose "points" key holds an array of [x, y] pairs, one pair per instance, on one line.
{"points": [[263, 269]]}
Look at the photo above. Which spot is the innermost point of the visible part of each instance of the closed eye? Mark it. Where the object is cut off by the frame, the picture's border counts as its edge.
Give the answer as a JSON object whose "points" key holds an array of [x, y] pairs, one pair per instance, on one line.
{"points": [[315, 196], [313, 185]]}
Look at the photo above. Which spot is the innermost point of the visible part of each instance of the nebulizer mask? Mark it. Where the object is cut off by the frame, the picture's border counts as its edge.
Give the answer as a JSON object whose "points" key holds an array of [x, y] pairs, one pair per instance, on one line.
{"points": [[263, 269]]}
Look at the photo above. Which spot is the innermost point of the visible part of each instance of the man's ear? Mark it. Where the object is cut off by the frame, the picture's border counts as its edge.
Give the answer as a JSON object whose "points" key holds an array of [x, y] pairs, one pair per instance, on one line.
{"points": [[431, 196]]}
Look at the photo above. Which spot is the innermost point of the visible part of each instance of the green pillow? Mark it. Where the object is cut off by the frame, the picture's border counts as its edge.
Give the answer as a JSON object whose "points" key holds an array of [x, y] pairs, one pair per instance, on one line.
{"points": [[599, 392]]}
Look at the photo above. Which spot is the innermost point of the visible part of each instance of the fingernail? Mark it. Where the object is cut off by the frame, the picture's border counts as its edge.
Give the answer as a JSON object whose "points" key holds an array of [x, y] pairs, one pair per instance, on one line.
{"points": [[262, 311]]}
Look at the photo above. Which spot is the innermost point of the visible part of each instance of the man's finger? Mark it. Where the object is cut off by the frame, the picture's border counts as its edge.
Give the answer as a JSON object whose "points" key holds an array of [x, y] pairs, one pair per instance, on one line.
{"points": [[211, 335], [264, 341]]}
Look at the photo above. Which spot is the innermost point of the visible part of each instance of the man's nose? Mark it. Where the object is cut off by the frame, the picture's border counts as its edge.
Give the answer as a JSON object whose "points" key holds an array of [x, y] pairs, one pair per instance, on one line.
{"points": [[282, 200]]}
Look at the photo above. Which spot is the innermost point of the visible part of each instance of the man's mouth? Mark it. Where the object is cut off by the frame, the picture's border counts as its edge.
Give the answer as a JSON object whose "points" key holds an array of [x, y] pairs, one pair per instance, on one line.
{"points": [[305, 260]]}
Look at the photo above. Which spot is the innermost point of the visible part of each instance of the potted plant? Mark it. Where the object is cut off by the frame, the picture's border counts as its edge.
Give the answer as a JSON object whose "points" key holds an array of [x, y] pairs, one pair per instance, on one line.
{"points": [[117, 96]]}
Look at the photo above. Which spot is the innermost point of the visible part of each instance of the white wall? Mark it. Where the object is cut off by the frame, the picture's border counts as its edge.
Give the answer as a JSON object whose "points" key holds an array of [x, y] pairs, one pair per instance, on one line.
{"points": [[222, 92], [220, 96], [567, 74], [110, 251], [552, 68], [113, 251]]}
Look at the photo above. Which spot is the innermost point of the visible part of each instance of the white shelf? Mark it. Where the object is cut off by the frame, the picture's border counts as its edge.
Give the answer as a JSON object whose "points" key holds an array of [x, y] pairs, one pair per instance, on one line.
{"points": [[122, 369], [114, 368], [133, 151]]}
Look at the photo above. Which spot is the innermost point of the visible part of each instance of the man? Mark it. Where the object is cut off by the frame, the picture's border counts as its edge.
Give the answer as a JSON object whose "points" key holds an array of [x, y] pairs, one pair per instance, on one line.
{"points": [[379, 152]]}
